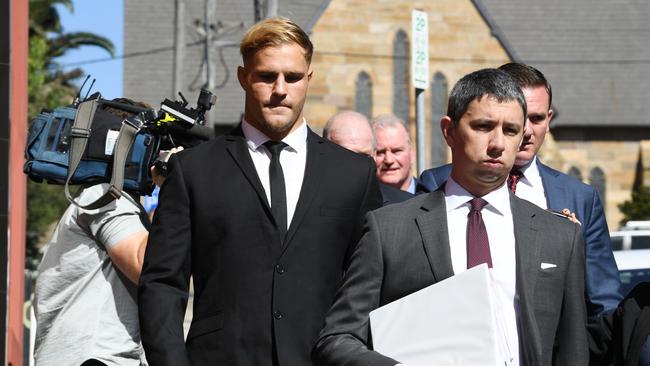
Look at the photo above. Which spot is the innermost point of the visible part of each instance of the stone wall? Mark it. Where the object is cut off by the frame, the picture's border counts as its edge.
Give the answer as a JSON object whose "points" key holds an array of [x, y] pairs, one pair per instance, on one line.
{"points": [[357, 35], [617, 159]]}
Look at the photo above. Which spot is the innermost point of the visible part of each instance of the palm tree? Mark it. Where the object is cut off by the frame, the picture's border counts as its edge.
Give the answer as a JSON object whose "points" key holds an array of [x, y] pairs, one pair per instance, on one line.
{"points": [[50, 86], [45, 22], [45, 27]]}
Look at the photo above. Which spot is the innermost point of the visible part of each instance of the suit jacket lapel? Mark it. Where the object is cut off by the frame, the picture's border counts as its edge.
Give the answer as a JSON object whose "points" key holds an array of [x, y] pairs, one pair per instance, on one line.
{"points": [[310, 184], [527, 248], [556, 197], [432, 224], [236, 146]]}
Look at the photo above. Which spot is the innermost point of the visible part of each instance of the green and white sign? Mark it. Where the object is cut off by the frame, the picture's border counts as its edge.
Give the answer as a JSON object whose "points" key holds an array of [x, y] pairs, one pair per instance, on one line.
{"points": [[420, 49]]}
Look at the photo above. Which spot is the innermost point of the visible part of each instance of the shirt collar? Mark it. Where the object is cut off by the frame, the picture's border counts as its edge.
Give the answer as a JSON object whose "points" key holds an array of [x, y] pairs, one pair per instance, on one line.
{"points": [[456, 196], [296, 140], [412, 186], [531, 172]]}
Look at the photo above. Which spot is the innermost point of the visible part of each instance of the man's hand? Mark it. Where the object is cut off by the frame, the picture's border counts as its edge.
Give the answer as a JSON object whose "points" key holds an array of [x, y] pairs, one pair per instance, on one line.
{"points": [[570, 215], [157, 177]]}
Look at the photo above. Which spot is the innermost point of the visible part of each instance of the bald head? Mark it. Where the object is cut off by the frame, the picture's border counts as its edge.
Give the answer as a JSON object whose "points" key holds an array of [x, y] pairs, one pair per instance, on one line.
{"points": [[352, 131]]}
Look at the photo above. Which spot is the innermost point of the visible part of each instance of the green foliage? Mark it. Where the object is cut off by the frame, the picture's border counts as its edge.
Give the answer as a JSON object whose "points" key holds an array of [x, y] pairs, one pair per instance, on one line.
{"points": [[50, 86], [45, 90], [638, 207]]}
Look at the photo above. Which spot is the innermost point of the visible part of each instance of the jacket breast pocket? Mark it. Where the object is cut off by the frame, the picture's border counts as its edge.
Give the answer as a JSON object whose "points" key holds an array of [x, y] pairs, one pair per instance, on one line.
{"points": [[337, 212], [206, 325]]}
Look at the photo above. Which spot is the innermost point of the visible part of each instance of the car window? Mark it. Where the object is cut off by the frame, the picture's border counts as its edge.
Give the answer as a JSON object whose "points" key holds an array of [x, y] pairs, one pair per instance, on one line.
{"points": [[617, 242], [641, 242], [630, 278]]}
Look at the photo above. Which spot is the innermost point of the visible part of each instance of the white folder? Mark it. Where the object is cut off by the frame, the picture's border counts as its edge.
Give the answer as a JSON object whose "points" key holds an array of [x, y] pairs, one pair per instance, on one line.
{"points": [[453, 322]]}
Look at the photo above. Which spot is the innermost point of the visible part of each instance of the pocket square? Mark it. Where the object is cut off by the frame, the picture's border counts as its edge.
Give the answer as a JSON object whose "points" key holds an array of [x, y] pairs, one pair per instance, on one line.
{"points": [[548, 265]]}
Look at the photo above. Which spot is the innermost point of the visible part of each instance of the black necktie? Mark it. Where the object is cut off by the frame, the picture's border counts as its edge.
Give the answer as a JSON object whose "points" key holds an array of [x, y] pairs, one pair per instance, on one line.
{"points": [[478, 246], [278, 191]]}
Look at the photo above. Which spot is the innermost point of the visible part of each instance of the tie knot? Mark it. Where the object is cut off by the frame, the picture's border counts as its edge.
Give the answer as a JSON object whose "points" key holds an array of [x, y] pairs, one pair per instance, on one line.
{"points": [[516, 173], [275, 147], [477, 204]]}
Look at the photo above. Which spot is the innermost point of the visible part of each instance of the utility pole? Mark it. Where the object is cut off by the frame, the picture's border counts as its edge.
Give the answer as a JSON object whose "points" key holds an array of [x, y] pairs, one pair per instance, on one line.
{"points": [[179, 46], [257, 7], [271, 8], [209, 29]]}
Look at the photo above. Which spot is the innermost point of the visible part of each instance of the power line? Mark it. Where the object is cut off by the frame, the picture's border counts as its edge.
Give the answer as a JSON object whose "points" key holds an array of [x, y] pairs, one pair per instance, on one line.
{"points": [[128, 55]]}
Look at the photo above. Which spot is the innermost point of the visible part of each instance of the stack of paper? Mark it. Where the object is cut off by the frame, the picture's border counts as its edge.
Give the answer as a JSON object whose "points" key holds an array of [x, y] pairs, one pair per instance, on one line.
{"points": [[452, 322]]}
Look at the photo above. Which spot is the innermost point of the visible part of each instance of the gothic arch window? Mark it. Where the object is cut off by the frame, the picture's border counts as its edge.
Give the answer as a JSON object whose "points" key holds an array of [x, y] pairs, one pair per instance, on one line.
{"points": [[597, 180], [575, 172], [401, 75], [439, 94], [363, 94]]}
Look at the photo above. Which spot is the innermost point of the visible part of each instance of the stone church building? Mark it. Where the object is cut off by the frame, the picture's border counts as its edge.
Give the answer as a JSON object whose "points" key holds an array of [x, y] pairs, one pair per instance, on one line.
{"points": [[594, 54]]}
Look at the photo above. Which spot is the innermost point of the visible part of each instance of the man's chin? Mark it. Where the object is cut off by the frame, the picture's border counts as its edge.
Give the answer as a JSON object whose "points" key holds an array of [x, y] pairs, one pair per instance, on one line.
{"points": [[388, 180], [521, 162], [492, 176], [523, 157], [279, 124]]}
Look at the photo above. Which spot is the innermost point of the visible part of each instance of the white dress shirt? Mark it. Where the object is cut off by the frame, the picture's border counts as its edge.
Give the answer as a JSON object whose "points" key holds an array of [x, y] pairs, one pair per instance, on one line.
{"points": [[412, 186], [530, 185], [497, 216], [293, 159]]}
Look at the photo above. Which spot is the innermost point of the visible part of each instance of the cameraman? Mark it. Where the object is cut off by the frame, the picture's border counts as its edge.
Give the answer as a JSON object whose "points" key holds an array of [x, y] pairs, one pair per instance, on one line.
{"points": [[85, 295]]}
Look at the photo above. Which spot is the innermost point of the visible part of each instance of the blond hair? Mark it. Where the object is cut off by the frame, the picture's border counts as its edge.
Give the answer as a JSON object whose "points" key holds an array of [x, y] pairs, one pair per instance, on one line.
{"points": [[273, 32]]}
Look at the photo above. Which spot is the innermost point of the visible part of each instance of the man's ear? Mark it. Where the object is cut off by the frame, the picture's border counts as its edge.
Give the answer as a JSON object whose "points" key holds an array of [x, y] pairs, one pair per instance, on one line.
{"points": [[241, 76], [550, 118], [448, 130], [309, 75]]}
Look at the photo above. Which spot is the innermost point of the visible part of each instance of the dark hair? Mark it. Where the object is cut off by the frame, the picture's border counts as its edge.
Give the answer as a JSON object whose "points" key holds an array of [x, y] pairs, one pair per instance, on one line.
{"points": [[493, 82], [121, 112], [528, 77]]}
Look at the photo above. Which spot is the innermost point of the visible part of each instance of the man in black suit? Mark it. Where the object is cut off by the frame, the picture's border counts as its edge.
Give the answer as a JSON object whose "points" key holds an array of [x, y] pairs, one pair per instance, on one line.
{"points": [[536, 258], [263, 218], [352, 130]]}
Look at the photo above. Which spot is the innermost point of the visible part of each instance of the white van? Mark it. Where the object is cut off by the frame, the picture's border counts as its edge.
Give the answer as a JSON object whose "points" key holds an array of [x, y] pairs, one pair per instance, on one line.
{"points": [[633, 267], [634, 235]]}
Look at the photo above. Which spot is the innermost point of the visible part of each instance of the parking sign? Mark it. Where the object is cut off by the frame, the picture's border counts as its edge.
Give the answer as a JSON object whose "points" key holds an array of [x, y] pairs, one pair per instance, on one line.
{"points": [[420, 49]]}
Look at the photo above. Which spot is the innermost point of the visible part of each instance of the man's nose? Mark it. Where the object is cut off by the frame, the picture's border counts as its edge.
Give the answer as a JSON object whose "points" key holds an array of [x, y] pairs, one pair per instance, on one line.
{"points": [[389, 158], [497, 141], [280, 86], [528, 129]]}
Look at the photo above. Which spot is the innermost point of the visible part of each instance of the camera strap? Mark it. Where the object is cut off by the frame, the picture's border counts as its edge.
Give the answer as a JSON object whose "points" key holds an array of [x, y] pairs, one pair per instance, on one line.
{"points": [[79, 134]]}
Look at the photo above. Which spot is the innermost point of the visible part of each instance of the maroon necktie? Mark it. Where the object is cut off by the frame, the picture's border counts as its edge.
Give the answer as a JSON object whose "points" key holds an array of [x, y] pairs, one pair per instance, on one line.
{"points": [[478, 246], [513, 179]]}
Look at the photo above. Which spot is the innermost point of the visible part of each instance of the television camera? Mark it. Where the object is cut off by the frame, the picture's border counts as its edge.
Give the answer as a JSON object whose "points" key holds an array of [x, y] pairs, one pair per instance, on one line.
{"points": [[89, 143]]}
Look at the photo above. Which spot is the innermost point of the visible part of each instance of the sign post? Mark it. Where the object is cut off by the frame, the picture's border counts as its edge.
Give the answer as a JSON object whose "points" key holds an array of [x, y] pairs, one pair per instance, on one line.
{"points": [[420, 78]]}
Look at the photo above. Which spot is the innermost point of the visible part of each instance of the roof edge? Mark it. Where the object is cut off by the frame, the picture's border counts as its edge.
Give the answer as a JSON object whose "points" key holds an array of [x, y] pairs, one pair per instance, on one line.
{"points": [[316, 16], [496, 30]]}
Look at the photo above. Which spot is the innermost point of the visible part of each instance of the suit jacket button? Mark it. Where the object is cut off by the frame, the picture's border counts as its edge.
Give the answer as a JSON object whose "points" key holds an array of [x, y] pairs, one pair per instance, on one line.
{"points": [[279, 268], [277, 315]]}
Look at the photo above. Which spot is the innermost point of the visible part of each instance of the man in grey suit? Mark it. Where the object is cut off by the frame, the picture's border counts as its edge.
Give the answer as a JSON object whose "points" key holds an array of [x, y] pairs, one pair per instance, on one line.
{"points": [[537, 258]]}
